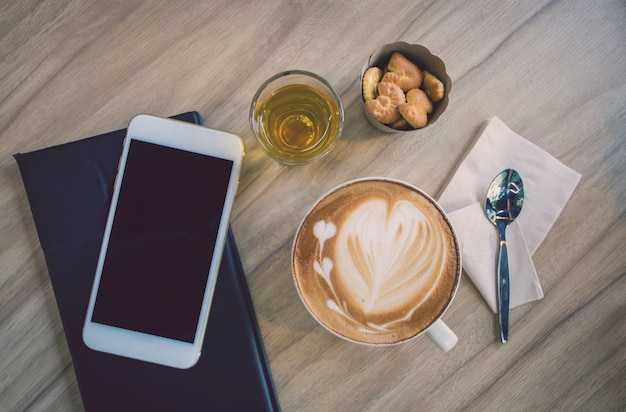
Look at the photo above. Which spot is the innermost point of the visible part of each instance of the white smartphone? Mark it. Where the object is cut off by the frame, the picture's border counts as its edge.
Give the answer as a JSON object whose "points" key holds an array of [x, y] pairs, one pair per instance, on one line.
{"points": [[163, 242]]}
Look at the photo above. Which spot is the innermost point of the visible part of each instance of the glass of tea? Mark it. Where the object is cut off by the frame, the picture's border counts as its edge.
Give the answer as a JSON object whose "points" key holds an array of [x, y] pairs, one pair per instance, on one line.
{"points": [[296, 116]]}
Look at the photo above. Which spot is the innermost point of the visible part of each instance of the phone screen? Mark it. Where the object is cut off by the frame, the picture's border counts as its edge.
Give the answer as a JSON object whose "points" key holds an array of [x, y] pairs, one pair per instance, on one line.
{"points": [[162, 240]]}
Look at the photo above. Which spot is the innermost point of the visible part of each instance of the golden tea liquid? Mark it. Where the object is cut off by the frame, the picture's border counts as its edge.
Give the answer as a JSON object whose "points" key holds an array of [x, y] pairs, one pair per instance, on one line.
{"points": [[297, 122]]}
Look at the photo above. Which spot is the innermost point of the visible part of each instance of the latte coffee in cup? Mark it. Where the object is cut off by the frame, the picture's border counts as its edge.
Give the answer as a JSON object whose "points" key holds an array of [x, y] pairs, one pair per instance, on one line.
{"points": [[376, 261]]}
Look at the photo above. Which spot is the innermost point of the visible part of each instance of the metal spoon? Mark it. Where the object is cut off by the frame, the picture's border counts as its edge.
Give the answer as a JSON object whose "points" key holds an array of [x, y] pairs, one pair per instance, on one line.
{"points": [[504, 203]]}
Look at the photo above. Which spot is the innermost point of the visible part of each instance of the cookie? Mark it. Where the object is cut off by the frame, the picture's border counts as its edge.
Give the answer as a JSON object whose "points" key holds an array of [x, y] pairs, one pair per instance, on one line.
{"points": [[401, 124], [416, 108], [433, 86], [403, 72], [384, 107], [371, 78]]}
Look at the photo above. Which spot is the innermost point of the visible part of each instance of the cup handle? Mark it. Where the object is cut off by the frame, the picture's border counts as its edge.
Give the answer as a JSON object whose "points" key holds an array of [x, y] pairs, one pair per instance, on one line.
{"points": [[441, 335]]}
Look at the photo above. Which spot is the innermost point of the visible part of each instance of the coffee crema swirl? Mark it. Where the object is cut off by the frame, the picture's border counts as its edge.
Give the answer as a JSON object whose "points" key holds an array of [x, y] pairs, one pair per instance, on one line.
{"points": [[376, 261]]}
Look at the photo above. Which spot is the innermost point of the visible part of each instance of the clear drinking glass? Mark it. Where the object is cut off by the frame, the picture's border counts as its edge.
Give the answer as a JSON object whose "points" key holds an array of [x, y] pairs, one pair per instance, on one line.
{"points": [[296, 117]]}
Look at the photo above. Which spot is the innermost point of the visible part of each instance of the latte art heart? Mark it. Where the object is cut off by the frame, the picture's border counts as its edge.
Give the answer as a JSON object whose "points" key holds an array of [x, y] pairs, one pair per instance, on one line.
{"points": [[388, 257]]}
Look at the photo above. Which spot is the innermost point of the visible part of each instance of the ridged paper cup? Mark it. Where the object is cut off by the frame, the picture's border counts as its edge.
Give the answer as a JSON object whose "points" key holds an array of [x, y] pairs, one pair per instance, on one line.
{"points": [[425, 60]]}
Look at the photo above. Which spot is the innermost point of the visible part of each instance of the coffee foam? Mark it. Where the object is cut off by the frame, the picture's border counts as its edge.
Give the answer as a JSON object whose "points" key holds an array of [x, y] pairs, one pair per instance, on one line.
{"points": [[376, 261]]}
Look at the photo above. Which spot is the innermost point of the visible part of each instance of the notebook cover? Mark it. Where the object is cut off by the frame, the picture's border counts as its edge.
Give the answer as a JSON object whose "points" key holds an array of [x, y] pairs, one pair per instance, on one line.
{"points": [[69, 189]]}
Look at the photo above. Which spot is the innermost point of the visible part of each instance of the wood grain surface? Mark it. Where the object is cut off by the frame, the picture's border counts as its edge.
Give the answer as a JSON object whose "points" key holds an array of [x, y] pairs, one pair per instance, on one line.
{"points": [[553, 71]]}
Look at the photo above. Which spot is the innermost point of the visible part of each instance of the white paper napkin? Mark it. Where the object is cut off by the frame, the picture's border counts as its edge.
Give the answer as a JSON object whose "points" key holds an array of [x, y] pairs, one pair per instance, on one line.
{"points": [[548, 185]]}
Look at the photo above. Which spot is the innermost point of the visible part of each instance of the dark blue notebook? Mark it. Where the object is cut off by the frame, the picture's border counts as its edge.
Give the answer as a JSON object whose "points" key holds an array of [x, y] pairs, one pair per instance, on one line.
{"points": [[69, 189]]}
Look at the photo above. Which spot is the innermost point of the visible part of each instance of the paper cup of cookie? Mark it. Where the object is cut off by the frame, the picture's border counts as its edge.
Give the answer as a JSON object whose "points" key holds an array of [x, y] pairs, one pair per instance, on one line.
{"points": [[404, 87]]}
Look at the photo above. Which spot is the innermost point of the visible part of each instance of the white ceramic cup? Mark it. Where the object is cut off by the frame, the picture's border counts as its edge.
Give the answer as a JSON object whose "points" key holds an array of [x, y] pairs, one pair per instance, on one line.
{"points": [[376, 261]]}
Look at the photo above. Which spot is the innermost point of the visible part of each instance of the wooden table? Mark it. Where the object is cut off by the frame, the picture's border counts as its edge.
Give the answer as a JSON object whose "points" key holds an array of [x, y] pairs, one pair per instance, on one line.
{"points": [[554, 71]]}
